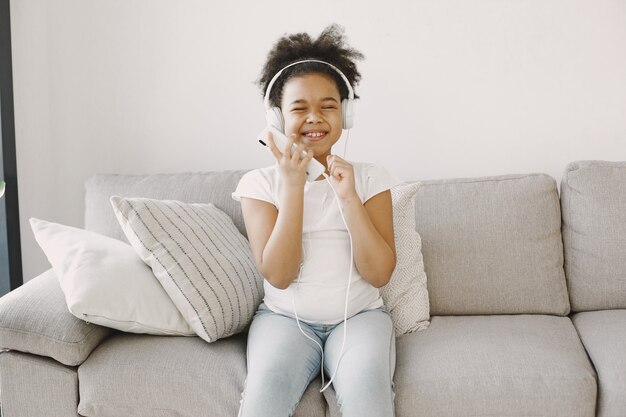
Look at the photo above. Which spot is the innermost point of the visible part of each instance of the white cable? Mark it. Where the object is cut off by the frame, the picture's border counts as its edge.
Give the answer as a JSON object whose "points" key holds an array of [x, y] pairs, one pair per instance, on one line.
{"points": [[345, 315]]}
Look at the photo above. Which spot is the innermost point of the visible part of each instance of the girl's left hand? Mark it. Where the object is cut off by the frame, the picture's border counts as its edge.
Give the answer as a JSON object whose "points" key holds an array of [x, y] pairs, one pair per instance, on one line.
{"points": [[341, 176]]}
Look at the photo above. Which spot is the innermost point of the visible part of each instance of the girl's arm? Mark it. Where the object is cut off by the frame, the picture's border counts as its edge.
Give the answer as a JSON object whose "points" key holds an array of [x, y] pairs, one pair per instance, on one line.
{"points": [[370, 224], [276, 236], [371, 227]]}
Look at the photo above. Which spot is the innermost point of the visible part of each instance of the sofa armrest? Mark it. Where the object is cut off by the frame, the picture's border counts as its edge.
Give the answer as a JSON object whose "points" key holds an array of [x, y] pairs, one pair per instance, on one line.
{"points": [[34, 318]]}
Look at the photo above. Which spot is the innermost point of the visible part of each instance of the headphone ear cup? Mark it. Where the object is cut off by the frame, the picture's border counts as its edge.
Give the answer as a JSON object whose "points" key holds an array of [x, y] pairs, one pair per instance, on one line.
{"points": [[347, 111], [274, 117]]}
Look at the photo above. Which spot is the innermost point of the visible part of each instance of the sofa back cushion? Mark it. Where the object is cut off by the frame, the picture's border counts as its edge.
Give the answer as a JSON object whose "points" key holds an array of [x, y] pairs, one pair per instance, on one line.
{"points": [[593, 201], [492, 245], [205, 187]]}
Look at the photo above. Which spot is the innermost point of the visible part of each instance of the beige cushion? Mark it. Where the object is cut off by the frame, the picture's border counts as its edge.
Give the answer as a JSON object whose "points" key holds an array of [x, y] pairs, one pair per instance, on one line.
{"points": [[34, 386], [509, 365], [492, 245], [106, 283], [593, 201], [152, 376], [604, 335], [35, 319], [406, 295], [202, 261]]}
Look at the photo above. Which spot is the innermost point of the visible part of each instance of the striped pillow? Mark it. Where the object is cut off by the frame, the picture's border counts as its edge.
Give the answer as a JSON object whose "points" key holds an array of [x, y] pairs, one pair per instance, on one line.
{"points": [[202, 261]]}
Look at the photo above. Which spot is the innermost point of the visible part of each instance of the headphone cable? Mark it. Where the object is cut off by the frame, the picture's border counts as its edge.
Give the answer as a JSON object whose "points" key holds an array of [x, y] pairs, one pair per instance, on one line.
{"points": [[345, 313]]}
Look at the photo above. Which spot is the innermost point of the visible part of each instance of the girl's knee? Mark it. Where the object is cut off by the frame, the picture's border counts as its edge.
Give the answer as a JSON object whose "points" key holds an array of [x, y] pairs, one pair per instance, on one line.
{"points": [[368, 397], [269, 376], [272, 391], [370, 379]]}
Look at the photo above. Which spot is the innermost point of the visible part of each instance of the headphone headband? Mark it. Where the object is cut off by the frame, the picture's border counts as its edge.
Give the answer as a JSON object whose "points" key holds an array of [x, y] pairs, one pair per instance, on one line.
{"points": [[266, 100]]}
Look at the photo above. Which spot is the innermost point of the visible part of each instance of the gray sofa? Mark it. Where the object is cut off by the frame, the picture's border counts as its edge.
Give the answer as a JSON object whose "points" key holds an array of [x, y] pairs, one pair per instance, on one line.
{"points": [[527, 294]]}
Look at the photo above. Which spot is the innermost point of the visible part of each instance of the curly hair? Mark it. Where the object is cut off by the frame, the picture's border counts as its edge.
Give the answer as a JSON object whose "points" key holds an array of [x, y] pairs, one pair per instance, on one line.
{"points": [[330, 47]]}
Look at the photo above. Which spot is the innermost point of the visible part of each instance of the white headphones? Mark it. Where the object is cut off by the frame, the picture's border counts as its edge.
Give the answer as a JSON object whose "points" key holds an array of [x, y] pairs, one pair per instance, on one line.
{"points": [[274, 115]]}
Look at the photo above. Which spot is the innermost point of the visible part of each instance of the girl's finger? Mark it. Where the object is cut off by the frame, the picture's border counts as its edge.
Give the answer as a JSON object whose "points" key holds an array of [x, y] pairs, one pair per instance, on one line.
{"points": [[331, 169], [309, 156], [334, 164], [287, 152], [339, 169], [329, 163], [297, 153]]}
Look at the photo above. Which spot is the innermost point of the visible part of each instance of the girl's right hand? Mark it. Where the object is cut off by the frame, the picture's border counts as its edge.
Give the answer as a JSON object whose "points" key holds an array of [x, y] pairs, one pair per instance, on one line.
{"points": [[292, 168]]}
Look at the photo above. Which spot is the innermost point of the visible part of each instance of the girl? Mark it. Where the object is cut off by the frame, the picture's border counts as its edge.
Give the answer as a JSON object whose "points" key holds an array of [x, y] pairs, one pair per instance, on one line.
{"points": [[303, 234]]}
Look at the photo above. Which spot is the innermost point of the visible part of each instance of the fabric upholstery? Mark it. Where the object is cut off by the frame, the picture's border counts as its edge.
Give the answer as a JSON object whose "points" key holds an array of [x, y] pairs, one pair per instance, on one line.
{"points": [[202, 261], [603, 333], [35, 386], [200, 187], [508, 365], [593, 201], [192, 378], [35, 319], [492, 245]]}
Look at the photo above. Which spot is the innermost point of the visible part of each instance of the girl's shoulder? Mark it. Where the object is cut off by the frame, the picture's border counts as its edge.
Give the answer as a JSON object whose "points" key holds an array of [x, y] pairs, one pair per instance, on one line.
{"points": [[259, 183], [366, 166], [372, 178], [367, 171], [268, 174]]}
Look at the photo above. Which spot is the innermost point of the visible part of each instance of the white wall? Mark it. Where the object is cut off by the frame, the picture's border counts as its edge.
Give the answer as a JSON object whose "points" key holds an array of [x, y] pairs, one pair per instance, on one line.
{"points": [[450, 88]]}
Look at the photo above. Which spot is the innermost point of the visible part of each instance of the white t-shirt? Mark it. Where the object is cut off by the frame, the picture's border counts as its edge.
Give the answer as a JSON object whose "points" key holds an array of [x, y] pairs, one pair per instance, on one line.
{"points": [[320, 295]]}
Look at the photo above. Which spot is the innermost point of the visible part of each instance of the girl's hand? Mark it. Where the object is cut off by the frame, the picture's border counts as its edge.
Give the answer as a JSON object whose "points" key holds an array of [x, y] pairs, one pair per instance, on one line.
{"points": [[341, 176], [292, 169]]}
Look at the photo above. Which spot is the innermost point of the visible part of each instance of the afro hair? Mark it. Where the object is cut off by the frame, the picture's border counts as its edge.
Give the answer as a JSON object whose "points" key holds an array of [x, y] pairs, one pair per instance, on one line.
{"points": [[330, 47]]}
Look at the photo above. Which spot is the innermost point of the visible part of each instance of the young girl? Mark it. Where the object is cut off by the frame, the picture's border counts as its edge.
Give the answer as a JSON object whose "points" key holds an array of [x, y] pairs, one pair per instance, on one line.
{"points": [[302, 234]]}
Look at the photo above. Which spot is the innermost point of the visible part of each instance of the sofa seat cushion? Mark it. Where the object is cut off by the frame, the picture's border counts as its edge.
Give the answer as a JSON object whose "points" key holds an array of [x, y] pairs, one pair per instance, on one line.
{"points": [[33, 385], [513, 365], [152, 376], [603, 334], [35, 319]]}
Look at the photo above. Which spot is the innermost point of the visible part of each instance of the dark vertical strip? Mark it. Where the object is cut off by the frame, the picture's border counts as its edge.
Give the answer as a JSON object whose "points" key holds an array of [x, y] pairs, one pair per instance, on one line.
{"points": [[8, 147]]}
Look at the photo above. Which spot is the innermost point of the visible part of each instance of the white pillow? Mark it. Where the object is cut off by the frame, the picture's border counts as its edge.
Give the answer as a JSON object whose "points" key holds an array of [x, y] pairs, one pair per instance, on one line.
{"points": [[200, 258], [106, 283], [406, 295]]}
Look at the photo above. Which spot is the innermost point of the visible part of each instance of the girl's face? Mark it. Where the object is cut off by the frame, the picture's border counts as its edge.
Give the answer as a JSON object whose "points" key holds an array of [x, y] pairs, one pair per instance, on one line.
{"points": [[311, 107]]}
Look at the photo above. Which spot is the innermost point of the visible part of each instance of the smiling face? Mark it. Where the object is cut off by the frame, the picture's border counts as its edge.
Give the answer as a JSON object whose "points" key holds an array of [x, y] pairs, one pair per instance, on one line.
{"points": [[311, 107]]}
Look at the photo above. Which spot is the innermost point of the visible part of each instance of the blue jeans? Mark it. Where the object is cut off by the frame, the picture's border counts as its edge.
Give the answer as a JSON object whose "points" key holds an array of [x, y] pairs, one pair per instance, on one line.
{"points": [[282, 362]]}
